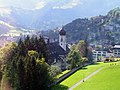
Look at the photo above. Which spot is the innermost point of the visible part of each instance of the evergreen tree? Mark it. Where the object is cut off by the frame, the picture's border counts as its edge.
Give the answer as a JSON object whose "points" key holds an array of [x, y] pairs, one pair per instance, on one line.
{"points": [[25, 67]]}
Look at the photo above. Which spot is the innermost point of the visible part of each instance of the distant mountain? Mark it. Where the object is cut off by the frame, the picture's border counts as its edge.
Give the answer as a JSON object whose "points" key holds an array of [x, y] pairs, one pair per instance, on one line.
{"points": [[15, 16], [4, 28], [39, 19], [9, 30], [97, 30], [100, 29]]}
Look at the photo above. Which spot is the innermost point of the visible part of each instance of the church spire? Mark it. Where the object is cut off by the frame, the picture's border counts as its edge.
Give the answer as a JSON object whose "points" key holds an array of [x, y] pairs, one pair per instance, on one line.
{"points": [[62, 32], [62, 38]]}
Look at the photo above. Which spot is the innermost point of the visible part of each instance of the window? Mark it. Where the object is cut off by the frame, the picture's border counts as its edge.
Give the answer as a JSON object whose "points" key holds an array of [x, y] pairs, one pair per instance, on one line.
{"points": [[99, 52], [104, 52], [94, 54], [103, 55], [61, 39]]}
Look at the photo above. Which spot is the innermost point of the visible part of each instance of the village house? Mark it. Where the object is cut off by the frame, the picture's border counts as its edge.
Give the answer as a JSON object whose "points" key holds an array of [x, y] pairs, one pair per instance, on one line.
{"points": [[116, 50], [100, 55]]}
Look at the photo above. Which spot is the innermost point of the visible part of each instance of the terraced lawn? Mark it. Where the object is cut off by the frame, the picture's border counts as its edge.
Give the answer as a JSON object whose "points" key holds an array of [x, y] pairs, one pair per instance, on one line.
{"points": [[106, 79], [79, 75]]}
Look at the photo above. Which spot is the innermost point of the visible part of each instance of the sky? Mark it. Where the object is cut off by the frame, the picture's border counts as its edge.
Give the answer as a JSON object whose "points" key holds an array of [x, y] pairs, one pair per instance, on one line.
{"points": [[95, 6]]}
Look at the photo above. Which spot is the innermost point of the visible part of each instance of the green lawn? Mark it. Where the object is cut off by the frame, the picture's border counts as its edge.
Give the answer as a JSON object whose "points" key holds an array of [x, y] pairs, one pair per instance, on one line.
{"points": [[107, 79], [79, 75], [117, 59], [63, 73]]}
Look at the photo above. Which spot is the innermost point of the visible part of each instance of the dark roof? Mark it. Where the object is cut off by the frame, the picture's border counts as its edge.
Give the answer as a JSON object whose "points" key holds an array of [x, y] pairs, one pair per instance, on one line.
{"points": [[116, 47], [62, 32], [55, 50], [67, 49]]}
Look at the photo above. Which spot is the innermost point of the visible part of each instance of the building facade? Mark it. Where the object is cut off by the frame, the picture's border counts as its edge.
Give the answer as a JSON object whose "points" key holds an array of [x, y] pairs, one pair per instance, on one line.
{"points": [[116, 51], [99, 55]]}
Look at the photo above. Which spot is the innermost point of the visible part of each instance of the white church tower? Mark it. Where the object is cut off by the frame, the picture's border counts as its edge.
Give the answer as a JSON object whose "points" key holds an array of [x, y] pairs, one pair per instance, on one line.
{"points": [[62, 38]]}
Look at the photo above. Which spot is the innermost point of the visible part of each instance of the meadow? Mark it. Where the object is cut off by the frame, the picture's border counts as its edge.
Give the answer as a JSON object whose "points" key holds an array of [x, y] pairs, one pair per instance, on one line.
{"points": [[106, 79], [82, 73]]}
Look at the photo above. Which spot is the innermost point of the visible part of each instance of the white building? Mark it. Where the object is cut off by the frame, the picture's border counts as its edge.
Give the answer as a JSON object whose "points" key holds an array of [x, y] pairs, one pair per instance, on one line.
{"points": [[99, 55], [62, 39], [116, 50]]}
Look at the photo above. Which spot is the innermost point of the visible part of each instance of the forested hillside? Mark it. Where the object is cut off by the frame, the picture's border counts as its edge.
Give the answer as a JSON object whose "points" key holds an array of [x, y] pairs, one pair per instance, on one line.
{"points": [[96, 30]]}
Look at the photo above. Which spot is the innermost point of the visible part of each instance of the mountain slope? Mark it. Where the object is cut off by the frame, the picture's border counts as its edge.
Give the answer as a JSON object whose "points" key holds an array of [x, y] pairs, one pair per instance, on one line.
{"points": [[5, 27], [40, 19], [100, 29], [97, 30]]}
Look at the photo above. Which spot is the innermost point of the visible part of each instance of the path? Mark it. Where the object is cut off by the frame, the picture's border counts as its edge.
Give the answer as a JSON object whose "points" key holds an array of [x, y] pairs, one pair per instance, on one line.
{"points": [[85, 78]]}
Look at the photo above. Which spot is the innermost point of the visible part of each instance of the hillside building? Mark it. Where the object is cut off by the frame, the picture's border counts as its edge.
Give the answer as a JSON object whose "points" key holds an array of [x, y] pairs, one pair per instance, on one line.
{"points": [[116, 51], [99, 55]]}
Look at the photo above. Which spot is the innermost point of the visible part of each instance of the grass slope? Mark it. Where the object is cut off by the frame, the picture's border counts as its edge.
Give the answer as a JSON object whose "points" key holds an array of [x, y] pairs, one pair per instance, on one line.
{"points": [[79, 75], [107, 79], [63, 73]]}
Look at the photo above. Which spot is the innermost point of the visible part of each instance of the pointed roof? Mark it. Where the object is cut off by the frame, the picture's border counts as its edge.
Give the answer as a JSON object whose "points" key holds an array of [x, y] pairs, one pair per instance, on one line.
{"points": [[62, 32]]}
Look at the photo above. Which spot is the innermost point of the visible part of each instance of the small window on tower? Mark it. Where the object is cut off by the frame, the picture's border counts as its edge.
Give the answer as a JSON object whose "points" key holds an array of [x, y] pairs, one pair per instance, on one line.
{"points": [[61, 39], [61, 43]]}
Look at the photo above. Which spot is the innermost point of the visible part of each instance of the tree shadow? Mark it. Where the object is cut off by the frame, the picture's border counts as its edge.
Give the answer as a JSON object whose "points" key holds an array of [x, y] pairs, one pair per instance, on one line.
{"points": [[59, 87], [84, 68], [95, 64]]}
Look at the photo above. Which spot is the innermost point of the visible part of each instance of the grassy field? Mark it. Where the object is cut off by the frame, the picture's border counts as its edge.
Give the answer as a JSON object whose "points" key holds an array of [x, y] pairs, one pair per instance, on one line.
{"points": [[63, 73], [79, 75], [117, 59], [107, 79]]}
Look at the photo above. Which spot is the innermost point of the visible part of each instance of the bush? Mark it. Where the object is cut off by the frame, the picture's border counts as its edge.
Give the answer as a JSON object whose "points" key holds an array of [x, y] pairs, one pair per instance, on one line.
{"points": [[54, 71]]}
